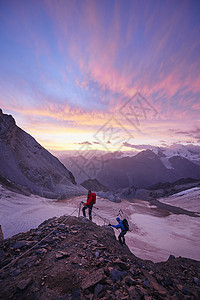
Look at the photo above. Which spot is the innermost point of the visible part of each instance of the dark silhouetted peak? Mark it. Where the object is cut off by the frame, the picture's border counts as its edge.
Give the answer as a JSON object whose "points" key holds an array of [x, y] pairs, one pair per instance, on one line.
{"points": [[7, 125], [146, 154], [94, 185], [24, 162]]}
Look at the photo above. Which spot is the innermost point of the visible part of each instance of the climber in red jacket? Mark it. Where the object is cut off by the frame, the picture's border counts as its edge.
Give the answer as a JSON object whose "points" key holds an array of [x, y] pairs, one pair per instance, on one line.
{"points": [[91, 200]]}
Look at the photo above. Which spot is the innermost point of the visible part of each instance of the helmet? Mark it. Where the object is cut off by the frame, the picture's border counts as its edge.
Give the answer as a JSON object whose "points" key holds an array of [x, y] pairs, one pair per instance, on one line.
{"points": [[118, 219]]}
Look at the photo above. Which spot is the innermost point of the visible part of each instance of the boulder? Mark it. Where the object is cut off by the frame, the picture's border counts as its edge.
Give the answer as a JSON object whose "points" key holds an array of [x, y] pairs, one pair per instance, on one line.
{"points": [[93, 278], [116, 275]]}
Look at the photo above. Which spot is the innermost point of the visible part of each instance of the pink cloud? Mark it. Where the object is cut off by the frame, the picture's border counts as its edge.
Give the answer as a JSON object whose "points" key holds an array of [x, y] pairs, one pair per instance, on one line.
{"points": [[196, 106], [97, 56]]}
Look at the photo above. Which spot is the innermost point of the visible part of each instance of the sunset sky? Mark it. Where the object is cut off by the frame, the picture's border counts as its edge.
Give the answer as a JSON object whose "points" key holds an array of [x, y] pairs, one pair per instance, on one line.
{"points": [[102, 74]]}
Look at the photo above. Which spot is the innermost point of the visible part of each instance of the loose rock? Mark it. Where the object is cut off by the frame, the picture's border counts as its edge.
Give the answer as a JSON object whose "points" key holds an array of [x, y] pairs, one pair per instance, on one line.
{"points": [[77, 266]]}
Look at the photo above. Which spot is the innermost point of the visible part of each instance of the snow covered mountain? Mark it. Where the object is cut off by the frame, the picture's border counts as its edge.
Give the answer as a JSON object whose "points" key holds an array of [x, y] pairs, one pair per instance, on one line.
{"points": [[190, 152], [26, 163]]}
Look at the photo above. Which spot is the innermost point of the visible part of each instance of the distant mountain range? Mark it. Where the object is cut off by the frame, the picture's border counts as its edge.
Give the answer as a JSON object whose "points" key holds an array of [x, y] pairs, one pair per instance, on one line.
{"points": [[24, 162], [148, 167]]}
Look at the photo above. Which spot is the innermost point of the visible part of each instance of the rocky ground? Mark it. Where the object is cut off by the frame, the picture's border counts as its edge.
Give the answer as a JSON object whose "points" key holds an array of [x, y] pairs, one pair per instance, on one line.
{"points": [[73, 258], [159, 190]]}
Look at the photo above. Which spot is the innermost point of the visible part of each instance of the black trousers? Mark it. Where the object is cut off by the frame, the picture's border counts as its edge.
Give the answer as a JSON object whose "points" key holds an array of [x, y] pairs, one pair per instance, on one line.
{"points": [[121, 237], [90, 210]]}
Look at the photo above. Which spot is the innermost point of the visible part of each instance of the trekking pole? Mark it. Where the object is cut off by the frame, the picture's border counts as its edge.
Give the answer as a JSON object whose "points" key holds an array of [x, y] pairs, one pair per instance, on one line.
{"points": [[119, 213], [79, 210]]}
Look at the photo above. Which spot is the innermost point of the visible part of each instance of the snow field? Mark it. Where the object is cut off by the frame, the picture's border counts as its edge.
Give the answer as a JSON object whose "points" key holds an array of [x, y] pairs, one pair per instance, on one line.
{"points": [[153, 236]]}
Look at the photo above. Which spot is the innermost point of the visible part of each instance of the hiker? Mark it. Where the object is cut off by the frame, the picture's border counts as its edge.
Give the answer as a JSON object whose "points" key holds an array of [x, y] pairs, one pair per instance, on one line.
{"points": [[91, 200], [123, 230]]}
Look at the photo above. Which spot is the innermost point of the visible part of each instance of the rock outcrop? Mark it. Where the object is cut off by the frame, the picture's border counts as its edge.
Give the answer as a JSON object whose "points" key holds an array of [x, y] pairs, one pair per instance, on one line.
{"points": [[73, 258], [24, 162], [94, 185]]}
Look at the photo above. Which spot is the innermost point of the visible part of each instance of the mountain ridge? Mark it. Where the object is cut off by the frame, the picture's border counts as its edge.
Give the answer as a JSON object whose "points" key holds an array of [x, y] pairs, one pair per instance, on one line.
{"points": [[141, 170], [25, 162]]}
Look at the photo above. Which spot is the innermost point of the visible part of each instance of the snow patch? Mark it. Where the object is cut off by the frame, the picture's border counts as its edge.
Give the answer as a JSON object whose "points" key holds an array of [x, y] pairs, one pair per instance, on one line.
{"points": [[177, 235], [188, 199]]}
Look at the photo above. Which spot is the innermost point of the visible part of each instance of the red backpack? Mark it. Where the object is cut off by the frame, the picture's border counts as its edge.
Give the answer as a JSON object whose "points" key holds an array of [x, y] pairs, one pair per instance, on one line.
{"points": [[93, 195]]}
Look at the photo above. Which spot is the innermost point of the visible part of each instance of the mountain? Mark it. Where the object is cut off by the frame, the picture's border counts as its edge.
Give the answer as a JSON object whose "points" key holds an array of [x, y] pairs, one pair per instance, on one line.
{"points": [[146, 168], [190, 152], [94, 185], [24, 162], [86, 164], [136, 171], [73, 258]]}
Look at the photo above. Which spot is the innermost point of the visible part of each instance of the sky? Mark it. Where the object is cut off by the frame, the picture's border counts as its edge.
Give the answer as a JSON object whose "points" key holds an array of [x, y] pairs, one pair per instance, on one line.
{"points": [[102, 74]]}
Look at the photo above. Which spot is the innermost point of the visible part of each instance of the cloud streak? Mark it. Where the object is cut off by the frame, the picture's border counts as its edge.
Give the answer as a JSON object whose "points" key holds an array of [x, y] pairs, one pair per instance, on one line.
{"points": [[79, 61]]}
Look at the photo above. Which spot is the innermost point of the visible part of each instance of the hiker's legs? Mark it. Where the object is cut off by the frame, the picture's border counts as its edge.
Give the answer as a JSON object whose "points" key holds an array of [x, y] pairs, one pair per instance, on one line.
{"points": [[122, 238], [83, 210], [90, 211]]}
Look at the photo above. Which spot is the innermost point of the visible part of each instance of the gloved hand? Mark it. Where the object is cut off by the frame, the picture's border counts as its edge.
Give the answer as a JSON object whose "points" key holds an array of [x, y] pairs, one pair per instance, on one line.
{"points": [[82, 202], [109, 224]]}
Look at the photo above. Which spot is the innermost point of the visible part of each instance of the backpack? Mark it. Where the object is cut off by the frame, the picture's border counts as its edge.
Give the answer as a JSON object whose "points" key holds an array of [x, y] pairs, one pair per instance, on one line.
{"points": [[93, 198], [126, 225]]}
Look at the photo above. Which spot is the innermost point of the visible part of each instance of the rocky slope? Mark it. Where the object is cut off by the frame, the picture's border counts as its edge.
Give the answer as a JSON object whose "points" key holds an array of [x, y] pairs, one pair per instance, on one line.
{"points": [[177, 186], [158, 190], [94, 185], [73, 258], [27, 164]]}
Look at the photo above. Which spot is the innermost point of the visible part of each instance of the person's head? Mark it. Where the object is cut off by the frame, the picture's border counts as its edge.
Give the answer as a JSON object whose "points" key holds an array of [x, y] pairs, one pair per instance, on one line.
{"points": [[118, 219], [89, 192]]}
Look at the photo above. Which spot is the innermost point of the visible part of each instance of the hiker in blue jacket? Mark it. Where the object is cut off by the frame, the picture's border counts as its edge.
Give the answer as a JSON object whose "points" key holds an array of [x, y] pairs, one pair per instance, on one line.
{"points": [[123, 230]]}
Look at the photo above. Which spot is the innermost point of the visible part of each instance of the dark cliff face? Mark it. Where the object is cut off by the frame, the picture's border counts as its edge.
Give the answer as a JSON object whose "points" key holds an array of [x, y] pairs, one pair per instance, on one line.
{"points": [[25, 162], [73, 258], [7, 125]]}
